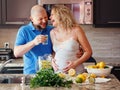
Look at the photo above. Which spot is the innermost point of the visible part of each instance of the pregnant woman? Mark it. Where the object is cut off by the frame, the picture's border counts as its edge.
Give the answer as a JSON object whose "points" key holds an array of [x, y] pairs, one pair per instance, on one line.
{"points": [[67, 38]]}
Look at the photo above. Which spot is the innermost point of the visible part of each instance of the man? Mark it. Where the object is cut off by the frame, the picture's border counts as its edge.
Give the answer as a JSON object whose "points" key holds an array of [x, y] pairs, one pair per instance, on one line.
{"points": [[30, 39]]}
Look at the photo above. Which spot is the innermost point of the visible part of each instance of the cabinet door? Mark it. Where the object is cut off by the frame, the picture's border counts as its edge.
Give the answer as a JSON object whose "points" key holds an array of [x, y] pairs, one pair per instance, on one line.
{"points": [[106, 13], [16, 11], [0, 11]]}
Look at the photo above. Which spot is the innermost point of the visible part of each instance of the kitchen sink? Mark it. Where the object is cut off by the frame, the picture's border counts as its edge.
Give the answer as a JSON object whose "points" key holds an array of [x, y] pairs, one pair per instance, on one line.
{"points": [[4, 69], [13, 79]]}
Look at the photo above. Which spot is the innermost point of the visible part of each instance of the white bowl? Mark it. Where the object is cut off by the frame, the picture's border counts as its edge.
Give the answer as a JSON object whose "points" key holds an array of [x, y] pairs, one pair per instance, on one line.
{"points": [[100, 72]]}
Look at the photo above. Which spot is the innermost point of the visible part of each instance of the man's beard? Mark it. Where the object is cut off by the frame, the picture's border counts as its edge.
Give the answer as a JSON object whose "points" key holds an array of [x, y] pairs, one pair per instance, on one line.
{"points": [[39, 27]]}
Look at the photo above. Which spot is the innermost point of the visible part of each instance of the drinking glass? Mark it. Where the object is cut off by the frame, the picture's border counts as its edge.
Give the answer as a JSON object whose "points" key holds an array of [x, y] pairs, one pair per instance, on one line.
{"points": [[46, 41]]}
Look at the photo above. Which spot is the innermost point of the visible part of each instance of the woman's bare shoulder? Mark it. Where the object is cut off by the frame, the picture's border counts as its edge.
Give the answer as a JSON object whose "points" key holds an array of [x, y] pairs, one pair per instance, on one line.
{"points": [[78, 30], [52, 31]]}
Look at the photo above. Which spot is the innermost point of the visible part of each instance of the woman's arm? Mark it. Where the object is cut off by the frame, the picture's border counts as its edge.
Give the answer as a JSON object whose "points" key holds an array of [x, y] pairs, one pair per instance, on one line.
{"points": [[52, 36], [87, 51], [85, 45]]}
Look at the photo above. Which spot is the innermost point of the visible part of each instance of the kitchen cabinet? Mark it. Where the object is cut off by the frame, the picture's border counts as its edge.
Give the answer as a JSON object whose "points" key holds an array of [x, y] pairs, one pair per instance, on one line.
{"points": [[106, 13], [81, 9], [116, 72], [0, 10], [15, 11]]}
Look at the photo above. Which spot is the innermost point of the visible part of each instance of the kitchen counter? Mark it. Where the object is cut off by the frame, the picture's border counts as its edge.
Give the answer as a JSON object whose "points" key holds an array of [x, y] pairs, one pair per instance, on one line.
{"points": [[113, 84], [19, 63]]}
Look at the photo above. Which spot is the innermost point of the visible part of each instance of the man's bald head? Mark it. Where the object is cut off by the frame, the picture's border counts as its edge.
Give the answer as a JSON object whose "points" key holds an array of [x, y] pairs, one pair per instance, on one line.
{"points": [[39, 17], [37, 9]]}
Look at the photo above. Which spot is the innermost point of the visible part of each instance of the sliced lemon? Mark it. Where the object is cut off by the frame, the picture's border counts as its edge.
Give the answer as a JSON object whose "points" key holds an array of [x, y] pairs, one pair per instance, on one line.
{"points": [[62, 75], [91, 80], [71, 72]]}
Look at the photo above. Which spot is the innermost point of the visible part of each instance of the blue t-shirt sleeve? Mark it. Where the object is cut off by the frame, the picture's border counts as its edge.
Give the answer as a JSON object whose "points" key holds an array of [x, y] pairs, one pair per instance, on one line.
{"points": [[20, 38], [50, 27]]}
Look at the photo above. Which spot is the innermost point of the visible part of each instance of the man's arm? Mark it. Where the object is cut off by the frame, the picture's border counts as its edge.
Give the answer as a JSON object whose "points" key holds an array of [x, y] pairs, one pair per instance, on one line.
{"points": [[20, 50]]}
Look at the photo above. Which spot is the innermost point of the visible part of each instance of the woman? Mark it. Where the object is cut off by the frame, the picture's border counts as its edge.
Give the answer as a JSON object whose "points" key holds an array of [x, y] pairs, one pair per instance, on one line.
{"points": [[67, 37]]}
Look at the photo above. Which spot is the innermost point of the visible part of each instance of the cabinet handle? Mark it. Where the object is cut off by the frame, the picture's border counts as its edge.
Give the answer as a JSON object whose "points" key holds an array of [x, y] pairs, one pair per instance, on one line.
{"points": [[113, 22], [14, 23]]}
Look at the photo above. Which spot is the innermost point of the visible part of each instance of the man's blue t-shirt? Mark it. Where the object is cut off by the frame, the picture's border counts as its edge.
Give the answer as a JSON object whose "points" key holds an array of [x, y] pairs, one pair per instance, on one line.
{"points": [[26, 34]]}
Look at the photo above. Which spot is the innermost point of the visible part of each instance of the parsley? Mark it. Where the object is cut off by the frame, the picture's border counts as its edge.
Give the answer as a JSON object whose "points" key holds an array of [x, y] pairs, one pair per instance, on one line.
{"points": [[47, 77]]}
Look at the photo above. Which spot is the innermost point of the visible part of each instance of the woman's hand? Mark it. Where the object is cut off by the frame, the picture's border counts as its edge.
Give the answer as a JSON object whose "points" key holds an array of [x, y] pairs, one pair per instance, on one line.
{"points": [[70, 64], [73, 64], [54, 65]]}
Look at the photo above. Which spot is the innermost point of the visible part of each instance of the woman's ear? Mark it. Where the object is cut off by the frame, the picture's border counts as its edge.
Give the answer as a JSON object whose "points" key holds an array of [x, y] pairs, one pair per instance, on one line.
{"points": [[31, 18]]}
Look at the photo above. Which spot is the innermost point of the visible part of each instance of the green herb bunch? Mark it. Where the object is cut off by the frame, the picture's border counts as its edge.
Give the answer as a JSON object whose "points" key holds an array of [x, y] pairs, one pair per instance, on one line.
{"points": [[47, 77]]}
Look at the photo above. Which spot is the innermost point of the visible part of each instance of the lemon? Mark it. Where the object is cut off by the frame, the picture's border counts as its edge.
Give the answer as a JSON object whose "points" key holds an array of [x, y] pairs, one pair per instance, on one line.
{"points": [[78, 80], [82, 77], [103, 76], [94, 66], [93, 75], [85, 75], [98, 65], [71, 72], [90, 66], [102, 65]]}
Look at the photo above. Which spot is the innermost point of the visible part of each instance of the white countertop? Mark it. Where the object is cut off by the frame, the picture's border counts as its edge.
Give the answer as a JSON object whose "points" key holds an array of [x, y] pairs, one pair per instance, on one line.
{"points": [[113, 84], [19, 63]]}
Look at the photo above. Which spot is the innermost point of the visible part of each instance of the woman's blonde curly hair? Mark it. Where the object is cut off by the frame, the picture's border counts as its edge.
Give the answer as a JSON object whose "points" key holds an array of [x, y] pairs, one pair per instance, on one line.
{"points": [[65, 16]]}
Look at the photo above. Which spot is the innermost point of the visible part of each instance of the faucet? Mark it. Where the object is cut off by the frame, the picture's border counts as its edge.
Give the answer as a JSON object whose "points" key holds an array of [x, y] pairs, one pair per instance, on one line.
{"points": [[3, 65]]}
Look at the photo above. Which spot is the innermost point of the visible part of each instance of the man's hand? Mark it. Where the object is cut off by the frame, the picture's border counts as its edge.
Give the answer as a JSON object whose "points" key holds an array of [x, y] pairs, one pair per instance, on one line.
{"points": [[39, 39], [80, 53]]}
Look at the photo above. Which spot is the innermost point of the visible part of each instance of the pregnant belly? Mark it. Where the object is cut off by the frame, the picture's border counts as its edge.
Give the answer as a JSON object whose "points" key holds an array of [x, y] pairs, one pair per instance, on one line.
{"points": [[63, 57]]}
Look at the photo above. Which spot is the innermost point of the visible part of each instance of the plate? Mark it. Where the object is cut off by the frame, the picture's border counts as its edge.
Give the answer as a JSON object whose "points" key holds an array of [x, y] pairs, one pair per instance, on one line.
{"points": [[101, 80]]}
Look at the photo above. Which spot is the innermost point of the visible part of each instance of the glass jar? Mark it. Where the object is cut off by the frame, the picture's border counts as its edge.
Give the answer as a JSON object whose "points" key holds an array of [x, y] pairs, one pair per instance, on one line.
{"points": [[44, 61]]}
